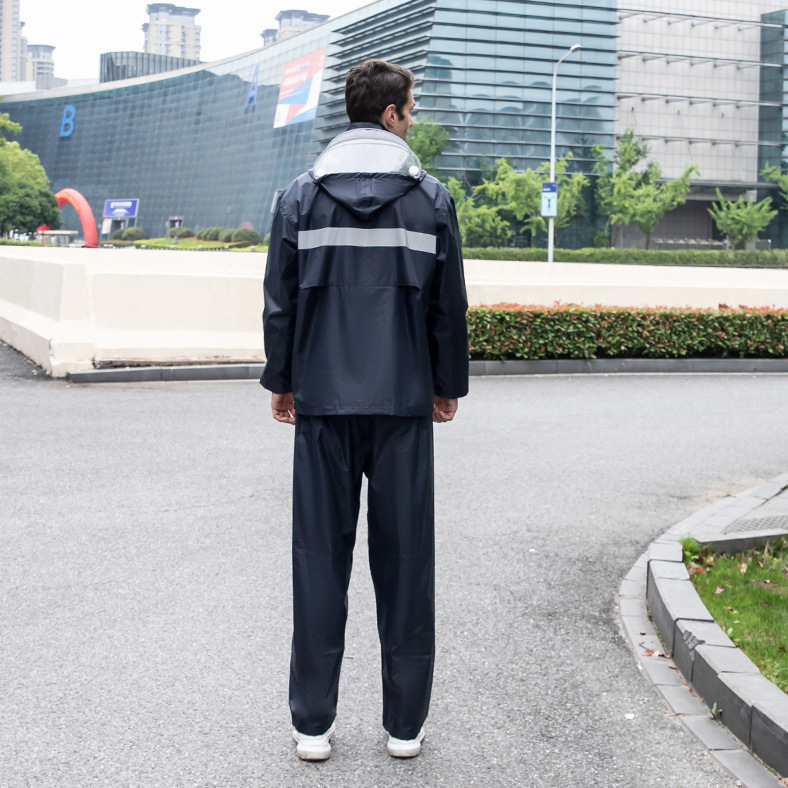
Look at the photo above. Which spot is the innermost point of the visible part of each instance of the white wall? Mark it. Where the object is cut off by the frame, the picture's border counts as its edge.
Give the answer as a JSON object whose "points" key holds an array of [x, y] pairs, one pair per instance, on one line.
{"points": [[76, 309]]}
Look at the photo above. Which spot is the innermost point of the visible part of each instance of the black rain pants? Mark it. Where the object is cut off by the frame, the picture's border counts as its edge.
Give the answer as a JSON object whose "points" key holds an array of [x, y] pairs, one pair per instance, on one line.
{"points": [[396, 455]]}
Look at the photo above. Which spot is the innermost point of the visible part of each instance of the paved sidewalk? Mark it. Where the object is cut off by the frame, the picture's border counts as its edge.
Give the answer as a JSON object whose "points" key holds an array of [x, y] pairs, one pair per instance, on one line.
{"points": [[691, 661], [145, 582]]}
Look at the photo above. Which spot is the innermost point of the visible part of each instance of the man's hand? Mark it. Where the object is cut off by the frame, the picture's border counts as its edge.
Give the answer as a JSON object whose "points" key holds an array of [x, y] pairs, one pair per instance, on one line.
{"points": [[283, 407], [443, 409]]}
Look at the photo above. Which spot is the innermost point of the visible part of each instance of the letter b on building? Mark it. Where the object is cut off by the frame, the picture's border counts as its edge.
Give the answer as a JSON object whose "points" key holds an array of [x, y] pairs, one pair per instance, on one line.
{"points": [[67, 122]]}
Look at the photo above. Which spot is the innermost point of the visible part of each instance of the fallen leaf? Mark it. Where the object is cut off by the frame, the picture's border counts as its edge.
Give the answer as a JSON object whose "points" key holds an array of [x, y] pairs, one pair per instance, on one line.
{"points": [[642, 631], [743, 568], [727, 607], [718, 590], [648, 652], [672, 667]]}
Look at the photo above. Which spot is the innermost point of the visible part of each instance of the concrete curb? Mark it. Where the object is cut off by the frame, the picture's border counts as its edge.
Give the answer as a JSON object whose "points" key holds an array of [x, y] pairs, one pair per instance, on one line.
{"points": [[565, 366], [749, 706]]}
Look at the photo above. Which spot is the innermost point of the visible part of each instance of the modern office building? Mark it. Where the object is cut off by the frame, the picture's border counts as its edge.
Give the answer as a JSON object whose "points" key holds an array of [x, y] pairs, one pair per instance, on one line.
{"points": [[291, 23], [172, 31], [215, 143]]}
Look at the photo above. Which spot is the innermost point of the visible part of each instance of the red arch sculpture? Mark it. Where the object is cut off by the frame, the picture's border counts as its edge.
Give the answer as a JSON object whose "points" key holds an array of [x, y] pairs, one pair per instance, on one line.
{"points": [[89, 229]]}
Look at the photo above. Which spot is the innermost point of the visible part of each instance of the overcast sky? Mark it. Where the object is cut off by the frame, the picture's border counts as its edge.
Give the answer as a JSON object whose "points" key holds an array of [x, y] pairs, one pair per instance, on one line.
{"points": [[82, 29]]}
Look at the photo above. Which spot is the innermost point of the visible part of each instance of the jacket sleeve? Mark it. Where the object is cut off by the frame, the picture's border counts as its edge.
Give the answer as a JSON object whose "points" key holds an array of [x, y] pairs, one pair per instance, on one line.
{"points": [[281, 298], [446, 325]]}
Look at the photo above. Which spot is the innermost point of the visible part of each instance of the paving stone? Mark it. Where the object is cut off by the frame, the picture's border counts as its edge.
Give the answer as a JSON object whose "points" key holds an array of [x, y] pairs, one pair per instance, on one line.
{"points": [[632, 588], [769, 731], [735, 544], [634, 625], [665, 569], [670, 600], [664, 551], [659, 671], [710, 663], [632, 606], [736, 695], [745, 768], [691, 634], [710, 733], [682, 701]]}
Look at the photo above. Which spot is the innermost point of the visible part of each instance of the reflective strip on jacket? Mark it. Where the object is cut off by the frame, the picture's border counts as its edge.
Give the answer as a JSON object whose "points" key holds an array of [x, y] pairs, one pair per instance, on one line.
{"points": [[364, 291]]}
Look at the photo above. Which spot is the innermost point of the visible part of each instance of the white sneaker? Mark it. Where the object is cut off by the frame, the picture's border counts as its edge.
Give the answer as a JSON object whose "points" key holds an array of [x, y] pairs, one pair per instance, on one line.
{"points": [[314, 748], [405, 748]]}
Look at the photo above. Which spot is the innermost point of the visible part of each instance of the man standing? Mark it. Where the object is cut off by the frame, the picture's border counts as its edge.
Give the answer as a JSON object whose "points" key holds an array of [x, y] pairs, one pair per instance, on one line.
{"points": [[366, 346]]}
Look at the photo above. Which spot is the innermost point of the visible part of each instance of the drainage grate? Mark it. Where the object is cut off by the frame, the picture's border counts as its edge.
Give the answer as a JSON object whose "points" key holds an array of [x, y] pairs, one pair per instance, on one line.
{"points": [[758, 524]]}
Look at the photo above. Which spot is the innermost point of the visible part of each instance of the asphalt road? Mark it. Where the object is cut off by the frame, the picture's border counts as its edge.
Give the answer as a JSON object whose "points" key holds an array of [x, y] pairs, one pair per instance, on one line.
{"points": [[145, 582]]}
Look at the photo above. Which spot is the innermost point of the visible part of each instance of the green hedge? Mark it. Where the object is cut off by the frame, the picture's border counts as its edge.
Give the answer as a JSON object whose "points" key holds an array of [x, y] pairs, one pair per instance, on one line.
{"points": [[511, 331], [740, 258]]}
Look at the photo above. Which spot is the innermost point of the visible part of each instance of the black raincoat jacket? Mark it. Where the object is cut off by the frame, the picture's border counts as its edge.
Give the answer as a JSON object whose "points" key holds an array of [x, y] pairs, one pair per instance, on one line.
{"points": [[364, 291]]}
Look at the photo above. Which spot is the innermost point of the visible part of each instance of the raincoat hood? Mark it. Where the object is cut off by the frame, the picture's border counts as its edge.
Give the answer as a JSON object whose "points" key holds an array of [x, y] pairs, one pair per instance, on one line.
{"points": [[366, 168]]}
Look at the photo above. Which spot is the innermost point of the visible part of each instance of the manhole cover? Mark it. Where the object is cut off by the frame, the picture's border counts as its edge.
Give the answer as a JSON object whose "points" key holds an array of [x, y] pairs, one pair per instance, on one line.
{"points": [[758, 524]]}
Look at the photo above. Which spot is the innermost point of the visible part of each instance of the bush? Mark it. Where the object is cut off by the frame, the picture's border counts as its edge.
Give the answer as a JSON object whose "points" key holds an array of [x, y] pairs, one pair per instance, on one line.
{"points": [[117, 235], [739, 258], [267, 239], [247, 235], [511, 331], [181, 232], [213, 233], [226, 236], [133, 234]]}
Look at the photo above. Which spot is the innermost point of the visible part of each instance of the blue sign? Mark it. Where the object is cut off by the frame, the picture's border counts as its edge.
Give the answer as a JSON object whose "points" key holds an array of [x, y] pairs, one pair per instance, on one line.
{"points": [[251, 96], [67, 121], [120, 209], [550, 199]]}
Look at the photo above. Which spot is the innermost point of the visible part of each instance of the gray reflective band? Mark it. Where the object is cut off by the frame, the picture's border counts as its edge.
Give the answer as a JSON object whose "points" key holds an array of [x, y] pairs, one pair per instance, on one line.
{"points": [[360, 236]]}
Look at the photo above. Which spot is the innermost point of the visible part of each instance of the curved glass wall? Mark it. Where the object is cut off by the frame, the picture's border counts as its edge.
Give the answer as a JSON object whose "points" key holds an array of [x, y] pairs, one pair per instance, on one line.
{"points": [[214, 143]]}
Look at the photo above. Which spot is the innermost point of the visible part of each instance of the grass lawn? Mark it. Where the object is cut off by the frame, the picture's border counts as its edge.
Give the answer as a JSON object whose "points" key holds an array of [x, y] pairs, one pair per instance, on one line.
{"points": [[747, 594]]}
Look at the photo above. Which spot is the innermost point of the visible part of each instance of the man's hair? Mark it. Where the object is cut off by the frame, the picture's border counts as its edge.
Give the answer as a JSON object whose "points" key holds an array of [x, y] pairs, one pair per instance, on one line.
{"points": [[372, 86]]}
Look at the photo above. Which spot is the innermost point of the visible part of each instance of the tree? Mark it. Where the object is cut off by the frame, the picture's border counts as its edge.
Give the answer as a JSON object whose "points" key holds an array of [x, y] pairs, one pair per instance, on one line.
{"points": [[23, 165], [25, 200], [741, 220], [771, 173], [480, 225], [427, 139], [626, 195], [23, 208]]}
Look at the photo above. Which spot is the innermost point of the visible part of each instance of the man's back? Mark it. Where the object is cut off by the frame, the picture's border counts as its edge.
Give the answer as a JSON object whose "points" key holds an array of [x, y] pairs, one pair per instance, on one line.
{"points": [[371, 242]]}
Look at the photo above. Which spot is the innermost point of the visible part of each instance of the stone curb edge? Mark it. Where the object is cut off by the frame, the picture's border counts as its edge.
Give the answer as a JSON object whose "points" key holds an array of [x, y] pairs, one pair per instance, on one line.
{"points": [[564, 366], [701, 661]]}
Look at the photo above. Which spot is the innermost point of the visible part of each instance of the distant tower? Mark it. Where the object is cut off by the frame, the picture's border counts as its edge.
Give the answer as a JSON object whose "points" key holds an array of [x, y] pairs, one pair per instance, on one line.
{"points": [[10, 45], [172, 31], [41, 65], [291, 23]]}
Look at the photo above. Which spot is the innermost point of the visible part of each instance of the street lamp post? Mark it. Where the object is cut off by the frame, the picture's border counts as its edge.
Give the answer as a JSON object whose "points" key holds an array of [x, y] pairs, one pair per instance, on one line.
{"points": [[551, 226]]}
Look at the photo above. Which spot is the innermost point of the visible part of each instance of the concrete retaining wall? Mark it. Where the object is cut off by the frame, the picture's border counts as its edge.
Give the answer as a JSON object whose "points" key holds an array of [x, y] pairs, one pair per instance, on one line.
{"points": [[76, 309]]}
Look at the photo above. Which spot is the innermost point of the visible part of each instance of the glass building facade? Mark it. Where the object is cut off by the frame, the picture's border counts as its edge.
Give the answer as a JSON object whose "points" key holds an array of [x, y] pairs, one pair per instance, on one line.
{"points": [[215, 143]]}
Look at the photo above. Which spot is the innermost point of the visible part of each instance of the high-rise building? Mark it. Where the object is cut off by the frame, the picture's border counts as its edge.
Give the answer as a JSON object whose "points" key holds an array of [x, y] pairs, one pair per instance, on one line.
{"points": [[172, 31], [291, 23], [10, 35], [41, 66]]}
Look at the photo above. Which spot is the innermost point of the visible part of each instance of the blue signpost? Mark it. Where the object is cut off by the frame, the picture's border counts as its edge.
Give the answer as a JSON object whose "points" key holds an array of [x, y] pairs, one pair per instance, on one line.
{"points": [[121, 209], [550, 199]]}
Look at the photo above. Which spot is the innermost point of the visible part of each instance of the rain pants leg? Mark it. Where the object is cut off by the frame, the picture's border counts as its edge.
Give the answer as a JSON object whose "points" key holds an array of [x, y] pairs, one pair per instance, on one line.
{"points": [[331, 454]]}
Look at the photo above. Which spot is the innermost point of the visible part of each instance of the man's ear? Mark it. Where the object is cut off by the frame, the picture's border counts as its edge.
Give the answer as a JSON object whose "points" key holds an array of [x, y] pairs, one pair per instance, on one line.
{"points": [[388, 117]]}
